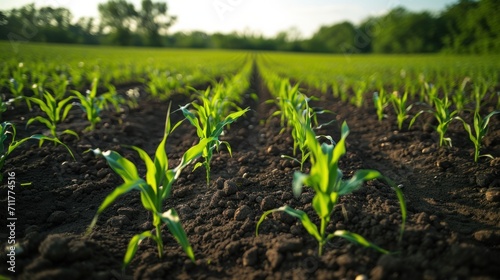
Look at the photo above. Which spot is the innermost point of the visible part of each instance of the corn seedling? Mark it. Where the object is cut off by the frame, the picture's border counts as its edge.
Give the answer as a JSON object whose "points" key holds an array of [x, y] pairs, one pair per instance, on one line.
{"points": [[209, 121], [55, 111], [480, 126], [429, 93], [301, 114], [6, 148], [358, 98], [17, 81], [380, 100], [92, 104], [459, 98], [154, 190], [325, 178], [443, 114], [401, 107]]}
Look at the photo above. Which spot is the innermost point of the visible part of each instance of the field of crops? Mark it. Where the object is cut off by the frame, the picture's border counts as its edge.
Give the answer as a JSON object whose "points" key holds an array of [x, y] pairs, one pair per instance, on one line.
{"points": [[136, 163]]}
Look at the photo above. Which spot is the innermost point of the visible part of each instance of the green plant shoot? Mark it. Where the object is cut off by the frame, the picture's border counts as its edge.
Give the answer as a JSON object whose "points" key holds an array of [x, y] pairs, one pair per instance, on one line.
{"points": [[325, 178], [209, 121], [480, 126], [401, 107], [55, 111], [380, 100], [443, 116], [91, 105], [154, 190]]}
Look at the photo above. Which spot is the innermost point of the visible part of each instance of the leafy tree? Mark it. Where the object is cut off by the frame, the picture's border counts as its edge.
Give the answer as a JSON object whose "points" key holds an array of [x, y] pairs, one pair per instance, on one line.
{"points": [[472, 27], [118, 16], [401, 31], [338, 38], [153, 21]]}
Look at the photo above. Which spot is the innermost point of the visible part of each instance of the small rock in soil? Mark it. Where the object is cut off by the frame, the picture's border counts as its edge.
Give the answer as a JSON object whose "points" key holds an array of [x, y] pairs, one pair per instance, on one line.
{"points": [[230, 188], [242, 213], [344, 260], [228, 213], [233, 247], [284, 217], [274, 258], [377, 273], [488, 236], [272, 150], [219, 183], [57, 217], [361, 277], [54, 247], [118, 221], [250, 256], [483, 180], [427, 150], [443, 164], [267, 203], [493, 195]]}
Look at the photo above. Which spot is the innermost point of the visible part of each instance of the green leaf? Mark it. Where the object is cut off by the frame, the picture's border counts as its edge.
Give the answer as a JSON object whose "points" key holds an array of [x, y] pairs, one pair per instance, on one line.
{"points": [[122, 166], [347, 187], [120, 190], [41, 119], [298, 182], [133, 244], [171, 218], [150, 167], [71, 132], [302, 216], [357, 239], [322, 204], [192, 154]]}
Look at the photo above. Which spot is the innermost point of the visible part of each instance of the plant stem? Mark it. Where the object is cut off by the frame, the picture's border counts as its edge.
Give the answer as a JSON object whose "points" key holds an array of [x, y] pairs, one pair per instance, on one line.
{"points": [[322, 233], [159, 242]]}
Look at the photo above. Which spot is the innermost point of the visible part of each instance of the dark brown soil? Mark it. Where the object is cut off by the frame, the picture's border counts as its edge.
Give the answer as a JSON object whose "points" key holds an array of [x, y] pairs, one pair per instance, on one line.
{"points": [[453, 228]]}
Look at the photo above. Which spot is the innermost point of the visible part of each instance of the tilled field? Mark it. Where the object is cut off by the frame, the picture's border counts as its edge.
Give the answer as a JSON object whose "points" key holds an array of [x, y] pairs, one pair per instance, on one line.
{"points": [[453, 219]]}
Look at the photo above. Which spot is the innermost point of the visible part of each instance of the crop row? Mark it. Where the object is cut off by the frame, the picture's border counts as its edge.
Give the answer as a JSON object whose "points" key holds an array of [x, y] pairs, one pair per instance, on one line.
{"points": [[461, 89]]}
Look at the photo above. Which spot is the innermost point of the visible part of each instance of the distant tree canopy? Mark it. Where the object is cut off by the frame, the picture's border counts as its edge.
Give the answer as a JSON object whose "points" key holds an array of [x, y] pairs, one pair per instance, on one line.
{"points": [[468, 26]]}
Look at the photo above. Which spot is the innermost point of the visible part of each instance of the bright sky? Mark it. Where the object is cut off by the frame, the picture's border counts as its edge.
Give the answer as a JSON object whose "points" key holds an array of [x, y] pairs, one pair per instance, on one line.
{"points": [[267, 17]]}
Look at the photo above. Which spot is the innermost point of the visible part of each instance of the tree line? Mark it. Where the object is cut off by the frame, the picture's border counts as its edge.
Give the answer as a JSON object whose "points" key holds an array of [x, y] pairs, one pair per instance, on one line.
{"points": [[468, 26]]}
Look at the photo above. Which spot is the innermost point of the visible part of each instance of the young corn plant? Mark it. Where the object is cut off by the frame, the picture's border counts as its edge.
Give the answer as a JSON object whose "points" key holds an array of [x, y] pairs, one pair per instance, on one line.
{"points": [[6, 148], [325, 178], [91, 104], [480, 127], [358, 98], [209, 121], [443, 114], [401, 107], [381, 100], [17, 82], [55, 111], [154, 190], [301, 114]]}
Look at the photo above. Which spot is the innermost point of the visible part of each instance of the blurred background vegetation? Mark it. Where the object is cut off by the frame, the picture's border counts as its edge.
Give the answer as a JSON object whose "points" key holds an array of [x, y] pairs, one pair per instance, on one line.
{"points": [[468, 26]]}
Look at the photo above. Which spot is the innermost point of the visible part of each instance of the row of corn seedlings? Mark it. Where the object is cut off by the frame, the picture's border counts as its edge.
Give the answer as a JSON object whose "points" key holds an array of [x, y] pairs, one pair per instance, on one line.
{"points": [[212, 111], [325, 176], [450, 89]]}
